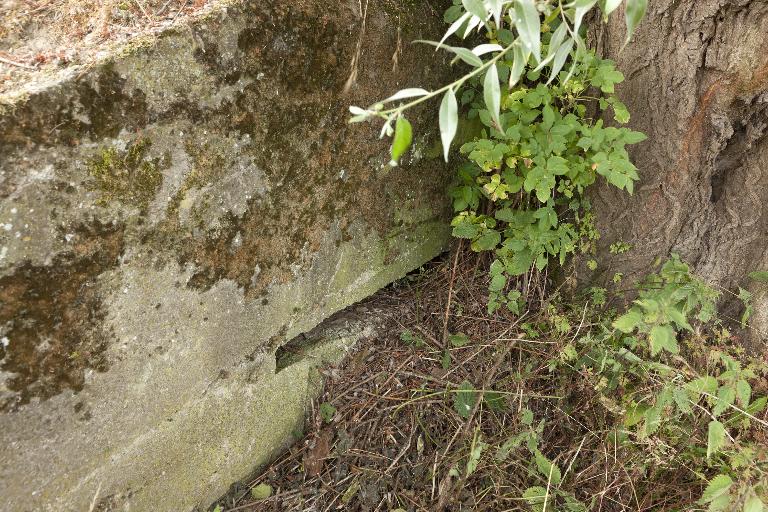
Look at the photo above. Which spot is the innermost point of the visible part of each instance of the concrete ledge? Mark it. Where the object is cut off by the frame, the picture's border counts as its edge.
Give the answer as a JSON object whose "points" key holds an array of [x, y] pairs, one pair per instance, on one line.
{"points": [[174, 215]]}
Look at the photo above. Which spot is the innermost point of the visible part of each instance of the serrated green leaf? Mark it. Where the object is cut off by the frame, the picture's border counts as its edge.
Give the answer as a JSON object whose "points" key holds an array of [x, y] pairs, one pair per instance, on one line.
{"points": [[458, 340], [528, 25], [758, 405], [716, 487], [706, 384], [449, 120], [753, 504], [547, 468], [726, 395], [662, 337], [475, 452], [487, 241], [327, 411], [715, 437], [627, 322], [633, 137], [445, 360], [621, 114], [535, 496], [494, 400], [402, 140], [465, 228], [652, 418], [510, 444], [678, 317], [681, 399], [526, 418], [635, 11], [351, 491], [492, 94], [720, 503], [557, 165], [743, 392]]}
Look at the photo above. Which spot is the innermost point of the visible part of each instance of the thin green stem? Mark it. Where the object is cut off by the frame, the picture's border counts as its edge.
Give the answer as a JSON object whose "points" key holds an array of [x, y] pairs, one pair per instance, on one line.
{"points": [[458, 83]]}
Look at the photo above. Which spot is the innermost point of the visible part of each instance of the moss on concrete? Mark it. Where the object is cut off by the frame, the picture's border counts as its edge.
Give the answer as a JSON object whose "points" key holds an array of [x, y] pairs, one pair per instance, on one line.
{"points": [[127, 176]]}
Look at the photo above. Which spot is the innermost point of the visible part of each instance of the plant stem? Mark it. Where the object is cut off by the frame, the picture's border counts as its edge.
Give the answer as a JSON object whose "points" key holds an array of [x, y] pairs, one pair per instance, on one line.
{"points": [[458, 83]]}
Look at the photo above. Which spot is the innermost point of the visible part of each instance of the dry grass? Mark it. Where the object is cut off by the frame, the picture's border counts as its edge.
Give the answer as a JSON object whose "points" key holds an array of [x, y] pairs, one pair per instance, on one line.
{"points": [[37, 35], [396, 435]]}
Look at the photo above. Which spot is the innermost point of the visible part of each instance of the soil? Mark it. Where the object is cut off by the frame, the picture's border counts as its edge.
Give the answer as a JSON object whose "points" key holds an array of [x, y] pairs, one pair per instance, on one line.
{"points": [[40, 37], [398, 423]]}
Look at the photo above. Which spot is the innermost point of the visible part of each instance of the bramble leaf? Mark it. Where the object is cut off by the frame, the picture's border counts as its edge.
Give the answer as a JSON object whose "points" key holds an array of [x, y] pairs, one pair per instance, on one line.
{"points": [[261, 491], [627, 322], [547, 468], [753, 504], [715, 437], [716, 487], [464, 399], [662, 337]]}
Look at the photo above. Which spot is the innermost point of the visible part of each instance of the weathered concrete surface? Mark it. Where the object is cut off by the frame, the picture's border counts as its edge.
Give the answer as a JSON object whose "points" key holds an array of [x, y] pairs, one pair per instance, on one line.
{"points": [[169, 219]]}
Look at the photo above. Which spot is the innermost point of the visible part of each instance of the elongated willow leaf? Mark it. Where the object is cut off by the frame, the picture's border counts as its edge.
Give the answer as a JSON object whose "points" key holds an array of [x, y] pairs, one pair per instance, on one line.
{"points": [[492, 93], [635, 11], [449, 120], [528, 26]]}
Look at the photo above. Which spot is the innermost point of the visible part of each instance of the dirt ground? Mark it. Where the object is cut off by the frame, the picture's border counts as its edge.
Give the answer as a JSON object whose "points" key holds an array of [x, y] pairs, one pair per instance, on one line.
{"points": [[39, 36], [440, 412]]}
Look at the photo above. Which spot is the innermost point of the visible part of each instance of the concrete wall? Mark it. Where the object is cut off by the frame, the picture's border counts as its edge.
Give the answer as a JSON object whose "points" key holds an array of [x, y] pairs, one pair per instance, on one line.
{"points": [[173, 215]]}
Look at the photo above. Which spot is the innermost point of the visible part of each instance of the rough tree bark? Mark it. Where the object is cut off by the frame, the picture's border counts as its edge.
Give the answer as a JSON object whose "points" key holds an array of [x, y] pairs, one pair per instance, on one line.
{"points": [[697, 84]]}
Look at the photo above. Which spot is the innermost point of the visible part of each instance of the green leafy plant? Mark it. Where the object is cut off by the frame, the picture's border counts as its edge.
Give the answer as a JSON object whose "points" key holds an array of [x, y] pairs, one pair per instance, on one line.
{"points": [[673, 390], [521, 194], [327, 412], [532, 91], [535, 100], [665, 302], [515, 30]]}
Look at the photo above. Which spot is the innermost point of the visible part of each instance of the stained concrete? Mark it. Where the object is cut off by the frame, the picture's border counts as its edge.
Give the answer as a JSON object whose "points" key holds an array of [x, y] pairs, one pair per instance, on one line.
{"points": [[172, 216]]}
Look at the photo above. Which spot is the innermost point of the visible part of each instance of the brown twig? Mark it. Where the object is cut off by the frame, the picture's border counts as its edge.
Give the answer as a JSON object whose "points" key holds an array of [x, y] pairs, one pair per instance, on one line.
{"points": [[14, 63], [450, 295]]}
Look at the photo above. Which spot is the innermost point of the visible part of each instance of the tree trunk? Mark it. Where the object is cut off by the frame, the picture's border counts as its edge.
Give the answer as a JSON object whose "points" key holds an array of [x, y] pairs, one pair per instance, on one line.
{"points": [[697, 84]]}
